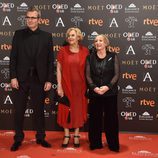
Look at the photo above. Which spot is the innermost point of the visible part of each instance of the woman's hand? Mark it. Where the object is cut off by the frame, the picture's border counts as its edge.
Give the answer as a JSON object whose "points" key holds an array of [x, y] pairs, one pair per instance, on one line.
{"points": [[60, 91], [103, 89], [97, 90]]}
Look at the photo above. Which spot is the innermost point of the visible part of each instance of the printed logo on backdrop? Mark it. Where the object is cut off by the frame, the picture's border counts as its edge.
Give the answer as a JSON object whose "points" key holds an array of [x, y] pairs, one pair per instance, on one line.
{"points": [[6, 33], [28, 112], [56, 48], [115, 49], [7, 100], [5, 73], [147, 103], [6, 7], [92, 36], [148, 21], [149, 36], [96, 7], [148, 48], [147, 77], [128, 115], [76, 20], [129, 90], [53, 111], [22, 8], [130, 50], [148, 63], [114, 8], [131, 21], [5, 61], [43, 7], [113, 23], [96, 22], [6, 86], [44, 21], [58, 34], [131, 36], [22, 20], [60, 8], [54, 86], [7, 111], [147, 89], [77, 8], [114, 35], [145, 116], [47, 101], [5, 47], [129, 76], [46, 113], [59, 22], [128, 101], [144, 153], [6, 21], [150, 7], [132, 8], [91, 46], [130, 62]]}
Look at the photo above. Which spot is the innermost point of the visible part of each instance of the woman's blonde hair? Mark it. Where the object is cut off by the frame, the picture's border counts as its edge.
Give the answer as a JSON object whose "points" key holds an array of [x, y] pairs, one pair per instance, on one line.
{"points": [[78, 32], [106, 40]]}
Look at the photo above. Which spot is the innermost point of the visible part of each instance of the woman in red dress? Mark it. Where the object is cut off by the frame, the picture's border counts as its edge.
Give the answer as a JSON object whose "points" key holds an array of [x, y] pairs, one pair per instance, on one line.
{"points": [[72, 84]]}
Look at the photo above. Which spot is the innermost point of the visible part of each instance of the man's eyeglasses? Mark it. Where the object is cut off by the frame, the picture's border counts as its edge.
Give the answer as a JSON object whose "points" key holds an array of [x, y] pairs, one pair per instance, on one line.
{"points": [[31, 18]]}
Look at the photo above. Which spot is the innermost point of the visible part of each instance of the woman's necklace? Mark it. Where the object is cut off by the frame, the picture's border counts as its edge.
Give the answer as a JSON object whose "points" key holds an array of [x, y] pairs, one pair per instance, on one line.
{"points": [[101, 55], [74, 49]]}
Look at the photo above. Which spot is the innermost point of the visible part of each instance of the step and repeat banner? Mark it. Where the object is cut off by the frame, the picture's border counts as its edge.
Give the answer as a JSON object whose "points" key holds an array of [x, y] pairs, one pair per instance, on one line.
{"points": [[131, 27]]}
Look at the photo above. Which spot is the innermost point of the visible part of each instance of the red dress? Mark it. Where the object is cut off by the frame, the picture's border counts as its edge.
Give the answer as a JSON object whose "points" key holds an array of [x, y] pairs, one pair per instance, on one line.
{"points": [[74, 87]]}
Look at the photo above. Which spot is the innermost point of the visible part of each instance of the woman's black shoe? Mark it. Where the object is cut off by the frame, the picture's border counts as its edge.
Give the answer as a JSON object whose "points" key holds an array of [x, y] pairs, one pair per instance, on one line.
{"points": [[65, 145], [15, 146], [76, 145]]}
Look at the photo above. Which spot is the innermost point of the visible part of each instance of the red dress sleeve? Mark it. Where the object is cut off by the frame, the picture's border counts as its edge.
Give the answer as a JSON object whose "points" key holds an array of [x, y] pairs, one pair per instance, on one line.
{"points": [[60, 55]]}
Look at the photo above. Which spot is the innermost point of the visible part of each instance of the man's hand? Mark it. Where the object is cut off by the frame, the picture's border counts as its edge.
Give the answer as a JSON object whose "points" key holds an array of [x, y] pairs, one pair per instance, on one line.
{"points": [[47, 86], [14, 83]]}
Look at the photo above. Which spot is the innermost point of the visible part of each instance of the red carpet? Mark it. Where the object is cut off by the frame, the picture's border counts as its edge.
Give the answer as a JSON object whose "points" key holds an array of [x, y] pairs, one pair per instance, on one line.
{"points": [[132, 146]]}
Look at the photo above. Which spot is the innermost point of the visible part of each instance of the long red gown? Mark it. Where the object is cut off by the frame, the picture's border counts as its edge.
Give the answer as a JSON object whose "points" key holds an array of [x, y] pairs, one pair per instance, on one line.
{"points": [[74, 86]]}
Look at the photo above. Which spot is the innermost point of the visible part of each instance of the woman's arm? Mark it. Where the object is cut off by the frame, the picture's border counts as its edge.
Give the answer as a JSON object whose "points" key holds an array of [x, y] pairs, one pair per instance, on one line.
{"points": [[91, 85], [115, 78], [116, 72], [59, 78]]}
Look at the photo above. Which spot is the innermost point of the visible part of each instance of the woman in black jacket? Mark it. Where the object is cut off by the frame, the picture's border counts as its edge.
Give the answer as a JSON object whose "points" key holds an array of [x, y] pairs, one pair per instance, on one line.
{"points": [[102, 74]]}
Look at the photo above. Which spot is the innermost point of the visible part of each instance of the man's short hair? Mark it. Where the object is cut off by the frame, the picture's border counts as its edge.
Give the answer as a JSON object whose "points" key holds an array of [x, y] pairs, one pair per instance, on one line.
{"points": [[32, 9]]}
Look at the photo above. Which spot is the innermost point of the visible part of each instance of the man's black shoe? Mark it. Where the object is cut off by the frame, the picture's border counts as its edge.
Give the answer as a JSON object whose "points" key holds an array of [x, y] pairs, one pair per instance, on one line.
{"points": [[93, 147], [114, 149], [15, 146], [43, 143]]}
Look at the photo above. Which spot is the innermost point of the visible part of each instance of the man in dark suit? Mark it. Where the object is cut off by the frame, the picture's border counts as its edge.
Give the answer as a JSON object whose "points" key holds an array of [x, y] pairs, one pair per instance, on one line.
{"points": [[31, 72]]}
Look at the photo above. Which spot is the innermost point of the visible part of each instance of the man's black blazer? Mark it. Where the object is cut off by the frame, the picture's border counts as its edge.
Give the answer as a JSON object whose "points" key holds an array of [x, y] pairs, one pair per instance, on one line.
{"points": [[19, 59]]}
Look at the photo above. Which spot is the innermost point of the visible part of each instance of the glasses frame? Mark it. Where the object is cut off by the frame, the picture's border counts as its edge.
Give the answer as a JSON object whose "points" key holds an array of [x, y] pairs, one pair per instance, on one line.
{"points": [[31, 18]]}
